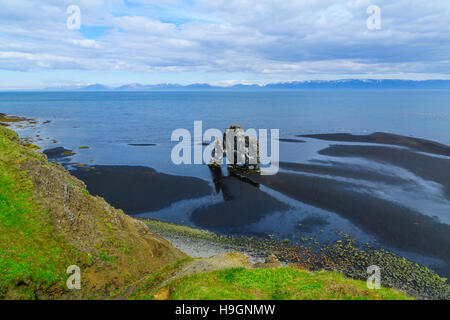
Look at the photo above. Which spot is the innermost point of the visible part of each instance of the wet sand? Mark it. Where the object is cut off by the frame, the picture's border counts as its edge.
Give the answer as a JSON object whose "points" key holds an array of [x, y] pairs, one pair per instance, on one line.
{"points": [[140, 189], [426, 167], [291, 140], [392, 224], [243, 204], [345, 171], [311, 223], [417, 144], [137, 189]]}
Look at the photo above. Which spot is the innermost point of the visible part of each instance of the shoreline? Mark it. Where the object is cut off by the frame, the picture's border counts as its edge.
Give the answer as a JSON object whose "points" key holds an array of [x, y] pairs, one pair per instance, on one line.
{"points": [[258, 248], [342, 256], [137, 189]]}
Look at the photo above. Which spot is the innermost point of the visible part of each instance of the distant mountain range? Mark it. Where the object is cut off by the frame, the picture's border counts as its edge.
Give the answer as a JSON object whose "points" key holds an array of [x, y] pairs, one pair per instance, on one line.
{"points": [[295, 85]]}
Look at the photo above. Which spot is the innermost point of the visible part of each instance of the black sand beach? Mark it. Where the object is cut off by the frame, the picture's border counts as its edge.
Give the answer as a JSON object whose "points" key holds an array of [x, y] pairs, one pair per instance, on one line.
{"points": [[341, 170], [417, 144], [292, 140], [137, 189], [346, 189], [392, 224], [243, 204], [426, 167]]}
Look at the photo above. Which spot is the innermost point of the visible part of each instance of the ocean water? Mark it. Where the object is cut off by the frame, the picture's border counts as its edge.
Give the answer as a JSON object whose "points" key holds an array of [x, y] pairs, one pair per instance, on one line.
{"points": [[108, 122]]}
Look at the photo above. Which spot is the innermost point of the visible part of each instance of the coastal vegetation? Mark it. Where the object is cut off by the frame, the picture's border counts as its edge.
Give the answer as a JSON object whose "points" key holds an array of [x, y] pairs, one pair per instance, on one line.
{"points": [[245, 281], [31, 256], [276, 284], [49, 221], [344, 256]]}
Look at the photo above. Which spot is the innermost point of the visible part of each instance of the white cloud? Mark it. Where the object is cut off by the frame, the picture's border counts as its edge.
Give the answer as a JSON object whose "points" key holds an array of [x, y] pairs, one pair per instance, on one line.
{"points": [[262, 37], [86, 43]]}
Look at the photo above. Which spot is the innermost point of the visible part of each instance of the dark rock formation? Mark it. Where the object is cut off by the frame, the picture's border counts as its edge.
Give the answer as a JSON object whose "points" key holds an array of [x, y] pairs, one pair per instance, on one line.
{"points": [[240, 151]]}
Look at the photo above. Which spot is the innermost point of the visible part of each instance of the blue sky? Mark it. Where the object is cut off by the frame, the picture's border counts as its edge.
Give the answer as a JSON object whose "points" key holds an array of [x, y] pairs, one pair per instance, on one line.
{"points": [[220, 42]]}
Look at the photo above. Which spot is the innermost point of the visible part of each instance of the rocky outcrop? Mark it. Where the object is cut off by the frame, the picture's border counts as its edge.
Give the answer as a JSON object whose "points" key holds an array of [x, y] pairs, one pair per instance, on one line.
{"points": [[270, 262], [123, 248], [240, 151]]}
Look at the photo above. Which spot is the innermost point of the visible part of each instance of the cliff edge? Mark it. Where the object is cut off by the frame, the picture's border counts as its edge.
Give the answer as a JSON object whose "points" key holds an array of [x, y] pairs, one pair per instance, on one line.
{"points": [[48, 222]]}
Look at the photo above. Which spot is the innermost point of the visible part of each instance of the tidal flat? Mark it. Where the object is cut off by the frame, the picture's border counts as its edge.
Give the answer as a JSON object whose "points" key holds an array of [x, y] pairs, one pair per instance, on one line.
{"points": [[372, 165], [245, 203]]}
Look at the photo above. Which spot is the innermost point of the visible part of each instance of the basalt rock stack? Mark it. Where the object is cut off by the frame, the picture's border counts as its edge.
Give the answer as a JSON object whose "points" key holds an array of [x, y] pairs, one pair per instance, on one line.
{"points": [[241, 151]]}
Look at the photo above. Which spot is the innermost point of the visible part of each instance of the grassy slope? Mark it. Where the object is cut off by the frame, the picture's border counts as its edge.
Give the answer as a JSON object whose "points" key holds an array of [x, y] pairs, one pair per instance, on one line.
{"points": [[276, 284], [48, 221], [31, 255], [286, 283], [342, 256]]}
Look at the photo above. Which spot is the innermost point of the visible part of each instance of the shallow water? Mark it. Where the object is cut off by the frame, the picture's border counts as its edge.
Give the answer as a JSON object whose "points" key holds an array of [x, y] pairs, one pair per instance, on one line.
{"points": [[108, 122]]}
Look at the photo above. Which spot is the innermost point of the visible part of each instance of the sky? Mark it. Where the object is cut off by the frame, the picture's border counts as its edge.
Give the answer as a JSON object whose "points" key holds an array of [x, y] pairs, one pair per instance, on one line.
{"points": [[221, 42]]}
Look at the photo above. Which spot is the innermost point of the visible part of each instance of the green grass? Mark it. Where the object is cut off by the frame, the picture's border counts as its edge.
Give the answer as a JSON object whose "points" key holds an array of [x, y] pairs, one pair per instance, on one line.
{"points": [[342, 256], [35, 253], [74, 185], [172, 228], [275, 284], [32, 257], [144, 287]]}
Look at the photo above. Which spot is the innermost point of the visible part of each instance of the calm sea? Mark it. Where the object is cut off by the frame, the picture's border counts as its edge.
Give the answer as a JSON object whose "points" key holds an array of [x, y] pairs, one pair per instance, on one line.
{"points": [[108, 122]]}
